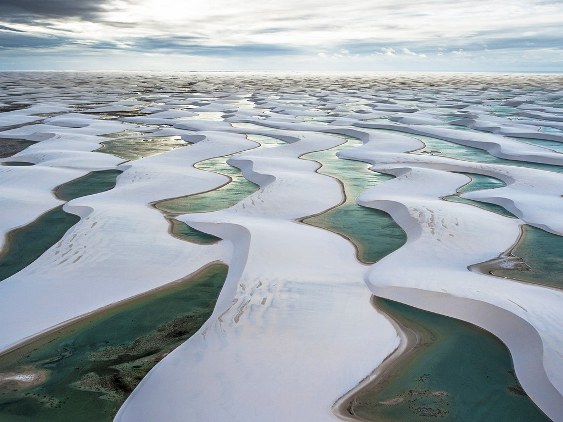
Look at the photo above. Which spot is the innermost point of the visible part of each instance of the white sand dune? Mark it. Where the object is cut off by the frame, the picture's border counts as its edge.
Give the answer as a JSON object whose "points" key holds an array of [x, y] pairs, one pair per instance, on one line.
{"points": [[61, 155], [112, 259], [532, 195], [497, 145], [293, 329], [438, 229], [294, 304], [413, 199]]}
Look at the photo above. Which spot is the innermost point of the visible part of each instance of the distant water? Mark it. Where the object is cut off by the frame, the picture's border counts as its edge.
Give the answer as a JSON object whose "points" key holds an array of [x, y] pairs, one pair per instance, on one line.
{"points": [[134, 148], [460, 152], [9, 147]]}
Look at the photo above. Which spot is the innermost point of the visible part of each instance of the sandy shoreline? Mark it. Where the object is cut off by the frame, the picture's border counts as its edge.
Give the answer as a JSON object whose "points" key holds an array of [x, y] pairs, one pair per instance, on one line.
{"points": [[507, 258], [54, 332], [520, 337], [303, 220], [410, 340], [286, 280], [8, 236]]}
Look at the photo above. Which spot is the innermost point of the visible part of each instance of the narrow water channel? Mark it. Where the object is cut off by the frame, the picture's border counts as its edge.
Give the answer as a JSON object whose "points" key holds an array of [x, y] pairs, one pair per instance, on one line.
{"points": [[480, 182], [373, 232], [456, 367]]}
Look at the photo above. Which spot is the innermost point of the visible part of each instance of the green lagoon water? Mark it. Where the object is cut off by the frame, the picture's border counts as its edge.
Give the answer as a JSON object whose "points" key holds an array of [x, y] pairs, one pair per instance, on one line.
{"points": [[543, 253], [90, 184], [9, 146], [92, 365], [373, 232], [458, 373], [182, 231], [224, 197], [480, 182], [25, 244], [266, 141], [124, 133], [460, 152], [552, 145], [140, 147]]}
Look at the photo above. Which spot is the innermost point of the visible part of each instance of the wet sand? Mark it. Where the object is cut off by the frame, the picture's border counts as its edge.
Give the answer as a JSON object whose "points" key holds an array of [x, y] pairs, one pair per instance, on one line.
{"points": [[83, 320], [423, 378], [86, 368], [412, 337]]}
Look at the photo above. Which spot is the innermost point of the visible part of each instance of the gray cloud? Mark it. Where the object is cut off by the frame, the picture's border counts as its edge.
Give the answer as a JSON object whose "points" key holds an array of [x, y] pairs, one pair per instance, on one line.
{"points": [[7, 28], [481, 41], [10, 40], [23, 11], [194, 46], [376, 31], [50, 8], [181, 45]]}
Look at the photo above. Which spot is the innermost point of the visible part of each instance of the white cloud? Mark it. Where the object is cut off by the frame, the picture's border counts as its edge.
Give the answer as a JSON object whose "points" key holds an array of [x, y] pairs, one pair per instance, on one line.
{"points": [[402, 52], [389, 51], [398, 29]]}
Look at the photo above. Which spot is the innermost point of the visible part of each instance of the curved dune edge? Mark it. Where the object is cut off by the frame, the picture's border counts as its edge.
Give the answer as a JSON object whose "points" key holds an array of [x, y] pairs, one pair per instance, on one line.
{"points": [[60, 155], [241, 229], [497, 145], [439, 230], [293, 305], [532, 195], [408, 341], [519, 336], [106, 244], [99, 311], [423, 268]]}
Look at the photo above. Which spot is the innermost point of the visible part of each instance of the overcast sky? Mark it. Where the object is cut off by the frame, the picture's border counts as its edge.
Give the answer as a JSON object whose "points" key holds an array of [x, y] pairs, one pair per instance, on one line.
{"points": [[307, 35]]}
